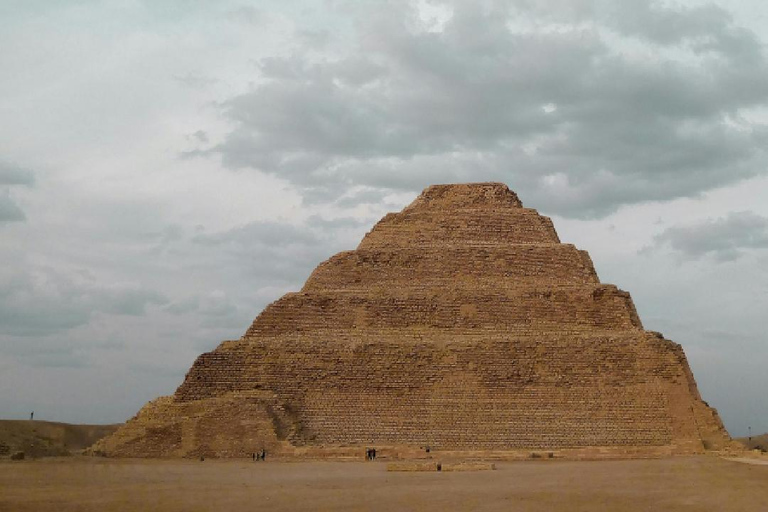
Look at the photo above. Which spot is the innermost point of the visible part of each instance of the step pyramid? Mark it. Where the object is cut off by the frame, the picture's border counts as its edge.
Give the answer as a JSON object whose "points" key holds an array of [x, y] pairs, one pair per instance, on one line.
{"points": [[460, 323]]}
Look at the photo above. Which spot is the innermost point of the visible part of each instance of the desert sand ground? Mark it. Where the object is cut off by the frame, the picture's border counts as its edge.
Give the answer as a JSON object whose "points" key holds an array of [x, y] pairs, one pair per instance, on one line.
{"points": [[83, 484]]}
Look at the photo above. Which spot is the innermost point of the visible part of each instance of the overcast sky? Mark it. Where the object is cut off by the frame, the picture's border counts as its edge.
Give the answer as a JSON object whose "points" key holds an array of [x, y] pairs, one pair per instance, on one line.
{"points": [[168, 168]]}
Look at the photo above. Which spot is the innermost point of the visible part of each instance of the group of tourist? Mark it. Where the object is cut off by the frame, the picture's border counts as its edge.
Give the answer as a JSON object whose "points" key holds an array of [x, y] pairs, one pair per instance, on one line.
{"points": [[370, 453], [262, 455]]}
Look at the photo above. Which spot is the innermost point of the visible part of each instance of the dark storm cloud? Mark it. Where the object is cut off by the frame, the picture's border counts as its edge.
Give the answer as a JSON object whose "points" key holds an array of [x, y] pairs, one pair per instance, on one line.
{"points": [[725, 238], [576, 118]]}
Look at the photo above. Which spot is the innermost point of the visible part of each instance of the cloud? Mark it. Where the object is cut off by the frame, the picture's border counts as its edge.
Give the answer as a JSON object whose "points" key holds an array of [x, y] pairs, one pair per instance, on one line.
{"points": [[41, 353], [247, 14], [127, 300], [12, 174], [703, 28], [46, 301], [582, 110], [215, 309], [272, 252], [725, 238], [9, 211], [337, 224], [258, 234], [183, 307], [194, 80], [200, 136]]}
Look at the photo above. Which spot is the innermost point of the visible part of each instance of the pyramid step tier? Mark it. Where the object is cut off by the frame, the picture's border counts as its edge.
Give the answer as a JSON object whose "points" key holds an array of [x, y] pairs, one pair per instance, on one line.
{"points": [[387, 360], [598, 306], [434, 228], [551, 391], [466, 417], [509, 265]]}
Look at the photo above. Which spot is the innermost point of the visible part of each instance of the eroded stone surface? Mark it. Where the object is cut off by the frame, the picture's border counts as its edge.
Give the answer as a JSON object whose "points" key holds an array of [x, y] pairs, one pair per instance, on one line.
{"points": [[460, 323]]}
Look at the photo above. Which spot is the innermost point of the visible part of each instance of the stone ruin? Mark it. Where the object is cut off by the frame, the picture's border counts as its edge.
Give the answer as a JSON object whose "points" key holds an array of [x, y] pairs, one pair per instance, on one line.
{"points": [[460, 323]]}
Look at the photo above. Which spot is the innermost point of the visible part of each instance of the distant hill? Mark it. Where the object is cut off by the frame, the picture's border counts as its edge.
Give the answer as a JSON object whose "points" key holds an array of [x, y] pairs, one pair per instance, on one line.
{"points": [[48, 438], [758, 442]]}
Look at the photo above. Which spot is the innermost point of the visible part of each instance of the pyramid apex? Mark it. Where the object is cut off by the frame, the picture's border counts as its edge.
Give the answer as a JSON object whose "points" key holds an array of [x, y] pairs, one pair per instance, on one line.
{"points": [[466, 195]]}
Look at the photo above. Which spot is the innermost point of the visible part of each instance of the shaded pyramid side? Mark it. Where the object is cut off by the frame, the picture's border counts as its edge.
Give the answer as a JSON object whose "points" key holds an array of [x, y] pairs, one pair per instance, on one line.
{"points": [[460, 323]]}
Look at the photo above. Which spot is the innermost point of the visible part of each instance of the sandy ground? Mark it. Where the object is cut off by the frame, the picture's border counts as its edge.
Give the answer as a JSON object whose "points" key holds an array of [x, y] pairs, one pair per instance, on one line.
{"points": [[762, 461], [82, 484]]}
